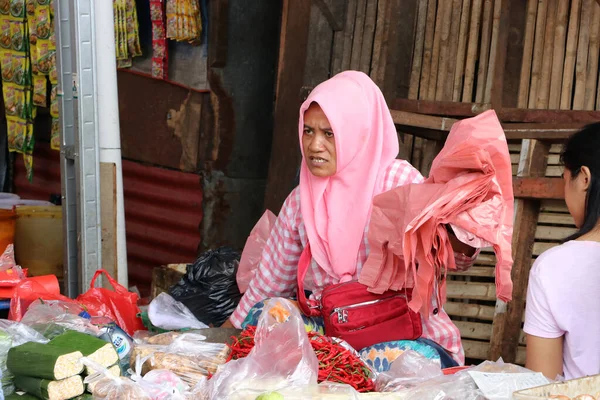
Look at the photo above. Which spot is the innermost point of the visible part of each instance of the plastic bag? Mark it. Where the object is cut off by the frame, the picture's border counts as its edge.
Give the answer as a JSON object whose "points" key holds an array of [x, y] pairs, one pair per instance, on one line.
{"points": [[209, 288], [119, 305], [470, 187], [167, 313], [10, 273], [450, 387], [281, 358], [188, 355], [13, 334], [160, 384], [21, 333], [253, 249], [199, 392], [109, 387], [408, 370], [30, 290], [53, 318]]}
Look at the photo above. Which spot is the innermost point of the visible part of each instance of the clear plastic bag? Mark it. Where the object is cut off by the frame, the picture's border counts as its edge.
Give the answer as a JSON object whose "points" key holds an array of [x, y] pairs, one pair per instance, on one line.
{"points": [[53, 318], [13, 334], [167, 313], [282, 357], [189, 356], [253, 249], [160, 384], [10, 272], [109, 387], [408, 370], [199, 392], [21, 333], [451, 387]]}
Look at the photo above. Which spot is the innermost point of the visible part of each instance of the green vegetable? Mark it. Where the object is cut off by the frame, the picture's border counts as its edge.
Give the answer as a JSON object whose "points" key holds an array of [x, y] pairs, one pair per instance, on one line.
{"points": [[51, 390], [7, 377], [24, 396], [93, 348], [44, 361], [271, 396]]}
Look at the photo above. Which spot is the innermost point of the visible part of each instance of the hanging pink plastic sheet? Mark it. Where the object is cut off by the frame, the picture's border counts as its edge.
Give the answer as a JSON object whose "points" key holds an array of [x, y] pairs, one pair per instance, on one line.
{"points": [[470, 187], [253, 250]]}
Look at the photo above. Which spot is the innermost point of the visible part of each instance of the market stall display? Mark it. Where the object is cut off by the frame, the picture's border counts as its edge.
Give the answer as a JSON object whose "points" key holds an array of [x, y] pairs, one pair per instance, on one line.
{"points": [[127, 35], [277, 359]]}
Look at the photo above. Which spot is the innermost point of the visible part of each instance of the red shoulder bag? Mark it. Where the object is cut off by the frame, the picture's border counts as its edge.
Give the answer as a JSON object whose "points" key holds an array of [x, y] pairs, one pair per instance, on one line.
{"points": [[360, 317]]}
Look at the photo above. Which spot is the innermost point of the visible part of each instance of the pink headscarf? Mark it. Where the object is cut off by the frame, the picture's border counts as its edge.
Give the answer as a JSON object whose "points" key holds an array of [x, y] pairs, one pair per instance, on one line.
{"points": [[336, 209]]}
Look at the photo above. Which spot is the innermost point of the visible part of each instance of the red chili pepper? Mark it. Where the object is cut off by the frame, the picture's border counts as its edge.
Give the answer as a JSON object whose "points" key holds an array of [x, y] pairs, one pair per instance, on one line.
{"points": [[336, 363]]}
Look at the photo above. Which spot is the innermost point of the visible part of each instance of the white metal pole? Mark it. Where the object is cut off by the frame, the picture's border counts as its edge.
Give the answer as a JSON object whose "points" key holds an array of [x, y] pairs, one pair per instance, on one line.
{"points": [[108, 116]]}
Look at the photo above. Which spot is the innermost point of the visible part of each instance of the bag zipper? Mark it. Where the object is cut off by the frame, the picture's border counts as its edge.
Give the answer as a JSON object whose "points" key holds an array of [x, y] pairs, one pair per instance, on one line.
{"points": [[342, 312]]}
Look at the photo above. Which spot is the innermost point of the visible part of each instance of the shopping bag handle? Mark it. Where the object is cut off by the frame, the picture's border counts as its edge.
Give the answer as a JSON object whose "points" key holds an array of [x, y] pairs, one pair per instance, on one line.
{"points": [[116, 285]]}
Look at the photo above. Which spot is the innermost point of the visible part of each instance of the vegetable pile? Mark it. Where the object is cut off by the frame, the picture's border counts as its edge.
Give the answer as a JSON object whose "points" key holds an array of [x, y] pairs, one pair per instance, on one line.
{"points": [[336, 363]]}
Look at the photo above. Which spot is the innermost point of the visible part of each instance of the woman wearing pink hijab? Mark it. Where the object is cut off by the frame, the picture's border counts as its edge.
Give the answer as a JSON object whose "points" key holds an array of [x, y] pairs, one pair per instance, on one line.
{"points": [[349, 145]]}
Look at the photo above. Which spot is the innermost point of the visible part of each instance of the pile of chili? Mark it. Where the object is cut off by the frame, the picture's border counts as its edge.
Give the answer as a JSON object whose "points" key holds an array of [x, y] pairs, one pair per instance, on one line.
{"points": [[241, 345], [336, 363]]}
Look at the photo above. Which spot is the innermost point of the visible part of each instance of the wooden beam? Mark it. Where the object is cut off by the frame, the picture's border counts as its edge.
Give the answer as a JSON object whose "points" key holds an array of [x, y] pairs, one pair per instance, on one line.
{"points": [[508, 318], [452, 109], [422, 121], [538, 188], [540, 131], [446, 108], [284, 162], [437, 128], [108, 219]]}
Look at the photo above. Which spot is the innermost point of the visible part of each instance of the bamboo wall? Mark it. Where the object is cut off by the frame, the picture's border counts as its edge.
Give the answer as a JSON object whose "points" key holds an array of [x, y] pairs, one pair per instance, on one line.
{"points": [[457, 58]]}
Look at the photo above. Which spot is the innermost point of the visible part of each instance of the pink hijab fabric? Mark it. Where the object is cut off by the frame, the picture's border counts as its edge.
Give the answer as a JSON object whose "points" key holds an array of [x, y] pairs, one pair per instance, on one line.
{"points": [[336, 209]]}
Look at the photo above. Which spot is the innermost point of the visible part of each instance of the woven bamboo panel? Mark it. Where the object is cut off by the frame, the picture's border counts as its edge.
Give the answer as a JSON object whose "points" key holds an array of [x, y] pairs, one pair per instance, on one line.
{"points": [[454, 50], [472, 295], [560, 56]]}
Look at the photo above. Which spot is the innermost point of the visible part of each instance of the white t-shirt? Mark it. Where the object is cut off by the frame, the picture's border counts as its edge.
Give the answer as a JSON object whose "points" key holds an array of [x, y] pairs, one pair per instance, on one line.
{"points": [[563, 298]]}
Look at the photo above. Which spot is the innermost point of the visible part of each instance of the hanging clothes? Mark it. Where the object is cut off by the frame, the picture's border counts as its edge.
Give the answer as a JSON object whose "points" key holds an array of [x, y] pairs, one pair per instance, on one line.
{"points": [[470, 187]]}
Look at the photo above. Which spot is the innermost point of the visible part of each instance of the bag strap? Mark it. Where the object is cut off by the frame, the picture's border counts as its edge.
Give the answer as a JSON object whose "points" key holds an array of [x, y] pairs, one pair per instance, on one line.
{"points": [[118, 287], [310, 308]]}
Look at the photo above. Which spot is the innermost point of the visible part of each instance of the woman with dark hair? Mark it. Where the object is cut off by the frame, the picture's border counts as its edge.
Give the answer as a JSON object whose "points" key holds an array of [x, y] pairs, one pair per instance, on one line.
{"points": [[562, 320]]}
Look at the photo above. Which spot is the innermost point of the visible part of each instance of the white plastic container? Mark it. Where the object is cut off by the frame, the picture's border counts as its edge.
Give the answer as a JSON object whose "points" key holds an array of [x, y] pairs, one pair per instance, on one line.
{"points": [[9, 203]]}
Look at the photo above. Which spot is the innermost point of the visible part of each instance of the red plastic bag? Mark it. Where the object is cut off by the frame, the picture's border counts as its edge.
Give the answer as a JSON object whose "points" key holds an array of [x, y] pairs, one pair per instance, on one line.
{"points": [[119, 305], [10, 272], [31, 289], [470, 187], [253, 250]]}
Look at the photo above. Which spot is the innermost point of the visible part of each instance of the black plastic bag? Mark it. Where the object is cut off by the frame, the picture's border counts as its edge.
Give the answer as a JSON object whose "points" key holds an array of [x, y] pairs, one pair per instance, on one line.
{"points": [[209, 288]]}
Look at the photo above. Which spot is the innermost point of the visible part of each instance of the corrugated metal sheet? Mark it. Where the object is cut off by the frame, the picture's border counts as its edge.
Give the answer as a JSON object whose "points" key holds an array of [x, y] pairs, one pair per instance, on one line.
{"points": [[163, 210]]}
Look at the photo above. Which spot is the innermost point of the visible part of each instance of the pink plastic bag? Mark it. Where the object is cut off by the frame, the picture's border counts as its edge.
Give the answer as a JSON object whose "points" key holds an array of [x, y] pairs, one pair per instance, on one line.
{"points": [[253, 250], [282, 357], [470, 187]]}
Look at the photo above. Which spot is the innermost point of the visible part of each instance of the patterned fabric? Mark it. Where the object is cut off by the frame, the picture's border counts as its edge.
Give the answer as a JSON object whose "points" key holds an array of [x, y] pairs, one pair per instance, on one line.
{"points": [[277, 272], [380, 356], [310, 324]]}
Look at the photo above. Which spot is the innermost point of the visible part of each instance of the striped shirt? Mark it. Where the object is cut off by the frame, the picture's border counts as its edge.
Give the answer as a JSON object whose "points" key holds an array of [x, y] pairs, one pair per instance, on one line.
{"points": [[276, 275]]}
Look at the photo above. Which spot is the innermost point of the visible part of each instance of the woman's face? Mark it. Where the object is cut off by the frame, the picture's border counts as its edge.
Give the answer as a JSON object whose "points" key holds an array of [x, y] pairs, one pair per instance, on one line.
{"points": [[576, 193], [318, 143]]}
